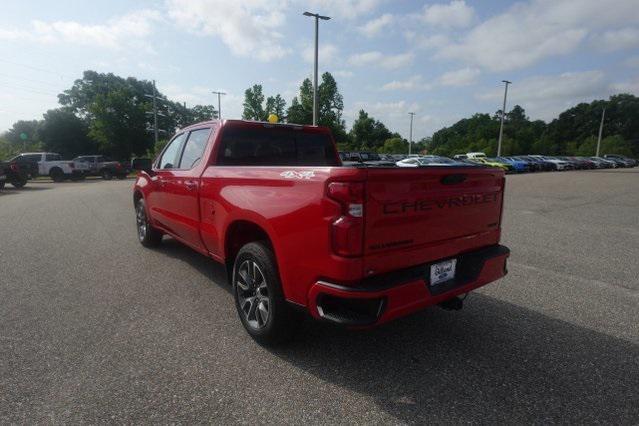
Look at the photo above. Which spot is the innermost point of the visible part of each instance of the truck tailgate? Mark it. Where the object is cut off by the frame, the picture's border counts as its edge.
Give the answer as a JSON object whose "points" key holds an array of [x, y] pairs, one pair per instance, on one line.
{"points": [[417, 215]]}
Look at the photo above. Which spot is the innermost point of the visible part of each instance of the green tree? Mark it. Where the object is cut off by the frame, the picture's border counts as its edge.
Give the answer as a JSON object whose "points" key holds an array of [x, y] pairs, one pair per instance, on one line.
{"points": [[119, 125], [253, 104], [394, 146], [275, 105], [331, 106], [63, 132], [367, 133], [23, 135], [254, 107]]}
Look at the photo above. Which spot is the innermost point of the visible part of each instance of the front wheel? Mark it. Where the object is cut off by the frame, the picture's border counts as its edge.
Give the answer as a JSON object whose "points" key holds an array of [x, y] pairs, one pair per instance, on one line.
{"points": [[259, 299], [147, 234]]}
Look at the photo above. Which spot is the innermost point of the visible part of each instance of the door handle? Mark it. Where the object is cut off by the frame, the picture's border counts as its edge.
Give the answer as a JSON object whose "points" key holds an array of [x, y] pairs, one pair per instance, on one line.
{"points": [[190, 185]]}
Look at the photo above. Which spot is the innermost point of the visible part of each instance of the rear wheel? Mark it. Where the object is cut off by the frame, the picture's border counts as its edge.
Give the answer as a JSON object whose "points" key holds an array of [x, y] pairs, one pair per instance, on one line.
{"points": [[147, 234], [259, 299], [56, 174], [19, 183]]}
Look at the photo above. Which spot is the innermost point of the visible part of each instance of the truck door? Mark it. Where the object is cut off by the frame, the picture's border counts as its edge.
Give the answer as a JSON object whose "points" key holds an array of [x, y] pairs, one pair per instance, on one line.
{"points": [[180, 189]]}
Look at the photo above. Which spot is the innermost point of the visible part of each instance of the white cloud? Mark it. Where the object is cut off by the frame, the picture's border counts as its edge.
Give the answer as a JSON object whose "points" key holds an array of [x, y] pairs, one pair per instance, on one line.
{"points": [[529, 32], [630, 86], [455, 14], [375, 58], [327, 53], [343, 9], [632, 62], [462, 77], [435, 41], [625, 38], [343, 73], [375, 26], [248, 28], [546, 96], [117, 33], [412, 83]]}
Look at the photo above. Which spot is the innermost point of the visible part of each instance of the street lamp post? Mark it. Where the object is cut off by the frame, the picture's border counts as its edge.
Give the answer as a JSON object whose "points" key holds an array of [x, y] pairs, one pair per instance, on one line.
{"points": [[603, 114], [219, 103], [315, 95], [410, 133], [503, 114]]}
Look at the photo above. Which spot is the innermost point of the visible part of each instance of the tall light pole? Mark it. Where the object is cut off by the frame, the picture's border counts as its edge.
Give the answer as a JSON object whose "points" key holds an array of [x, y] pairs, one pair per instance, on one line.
{"points": [[603, 114], [219, 103], [503, 114], [315, 95], [410, 133]]}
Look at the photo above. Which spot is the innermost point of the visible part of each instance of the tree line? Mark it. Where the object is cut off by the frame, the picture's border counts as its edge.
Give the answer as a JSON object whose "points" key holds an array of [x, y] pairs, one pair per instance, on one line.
{"points": [[111, 115], [573, 132]]}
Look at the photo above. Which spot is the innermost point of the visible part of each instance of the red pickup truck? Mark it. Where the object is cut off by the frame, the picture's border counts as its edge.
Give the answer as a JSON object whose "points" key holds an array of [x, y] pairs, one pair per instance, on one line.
{"points": [[299, 232]]}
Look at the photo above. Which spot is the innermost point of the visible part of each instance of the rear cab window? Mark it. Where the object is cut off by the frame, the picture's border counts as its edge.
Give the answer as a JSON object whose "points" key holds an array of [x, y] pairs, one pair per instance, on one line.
{"points": [[275, 146]]}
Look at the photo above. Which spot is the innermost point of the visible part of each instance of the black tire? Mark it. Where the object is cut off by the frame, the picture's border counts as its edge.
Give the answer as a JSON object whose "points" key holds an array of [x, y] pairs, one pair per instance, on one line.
{"points": [[252, 294], [56, 174], [2, 184], [19, 183], [147, 234], [106, 174]]}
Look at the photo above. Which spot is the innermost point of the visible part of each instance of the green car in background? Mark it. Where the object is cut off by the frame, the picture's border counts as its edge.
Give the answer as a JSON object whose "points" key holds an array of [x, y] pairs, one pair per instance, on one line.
{"points": [[493, 162]]}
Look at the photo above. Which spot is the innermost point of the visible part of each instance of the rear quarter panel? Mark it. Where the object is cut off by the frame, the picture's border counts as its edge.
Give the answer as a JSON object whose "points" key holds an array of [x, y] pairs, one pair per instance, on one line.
{"points": [[289, 203]]}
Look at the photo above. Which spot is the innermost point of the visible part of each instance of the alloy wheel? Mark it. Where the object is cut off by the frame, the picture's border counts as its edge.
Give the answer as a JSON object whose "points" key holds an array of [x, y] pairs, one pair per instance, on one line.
{"points": [[252, 294]]}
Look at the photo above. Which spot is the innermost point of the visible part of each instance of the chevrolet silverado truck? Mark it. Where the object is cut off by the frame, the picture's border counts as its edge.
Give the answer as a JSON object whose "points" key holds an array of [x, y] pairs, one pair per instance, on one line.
{"points": [[299, 232]]}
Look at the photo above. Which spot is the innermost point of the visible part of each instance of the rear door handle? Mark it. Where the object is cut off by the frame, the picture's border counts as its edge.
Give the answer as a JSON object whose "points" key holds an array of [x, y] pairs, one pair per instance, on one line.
{"points": [[190, 185]]}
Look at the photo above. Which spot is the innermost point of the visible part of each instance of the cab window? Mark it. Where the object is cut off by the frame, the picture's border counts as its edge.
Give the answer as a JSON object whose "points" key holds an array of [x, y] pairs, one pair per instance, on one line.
{"points": [[194, 148], [171, 154]]}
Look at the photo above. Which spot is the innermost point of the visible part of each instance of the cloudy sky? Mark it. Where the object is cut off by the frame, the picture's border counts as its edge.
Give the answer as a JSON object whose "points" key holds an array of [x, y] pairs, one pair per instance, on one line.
{"points": [[443, 60]]}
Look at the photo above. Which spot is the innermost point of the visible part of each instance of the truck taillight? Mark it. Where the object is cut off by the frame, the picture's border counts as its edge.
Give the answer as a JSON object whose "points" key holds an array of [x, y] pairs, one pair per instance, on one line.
{"points": [[348, 229], [14, 167]]}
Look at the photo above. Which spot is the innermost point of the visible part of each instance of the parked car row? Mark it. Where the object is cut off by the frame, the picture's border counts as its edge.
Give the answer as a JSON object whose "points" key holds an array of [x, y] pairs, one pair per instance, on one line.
{"points": [[30, 165], [510, 164]]}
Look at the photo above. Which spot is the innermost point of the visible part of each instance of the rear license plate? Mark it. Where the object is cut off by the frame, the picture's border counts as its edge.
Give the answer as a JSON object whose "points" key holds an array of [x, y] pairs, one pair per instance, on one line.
{"points": [[442, 271]]}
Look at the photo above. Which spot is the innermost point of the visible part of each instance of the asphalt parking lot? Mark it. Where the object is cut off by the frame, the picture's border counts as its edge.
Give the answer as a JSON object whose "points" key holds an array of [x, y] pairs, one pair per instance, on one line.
{"points": [[95, 328]]}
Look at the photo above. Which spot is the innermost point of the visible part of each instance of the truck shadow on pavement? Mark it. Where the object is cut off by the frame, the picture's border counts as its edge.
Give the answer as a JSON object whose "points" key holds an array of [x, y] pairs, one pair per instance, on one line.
{"points": [[491, 362], [211, 269]]}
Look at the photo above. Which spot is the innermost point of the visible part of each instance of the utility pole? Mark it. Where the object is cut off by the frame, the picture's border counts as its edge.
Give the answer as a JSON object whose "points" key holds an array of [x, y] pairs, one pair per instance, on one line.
{"points": [[219, 103], [155, 113], [410, 134], [603, 114], [315, 95], [503, 114]]}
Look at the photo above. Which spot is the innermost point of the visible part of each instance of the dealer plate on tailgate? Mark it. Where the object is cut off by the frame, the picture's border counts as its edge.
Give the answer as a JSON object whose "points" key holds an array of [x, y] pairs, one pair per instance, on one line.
{"points": [[442, 271]]}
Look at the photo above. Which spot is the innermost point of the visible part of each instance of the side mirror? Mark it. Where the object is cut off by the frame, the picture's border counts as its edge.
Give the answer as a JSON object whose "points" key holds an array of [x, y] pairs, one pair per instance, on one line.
{"points": [[142, 164]]}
